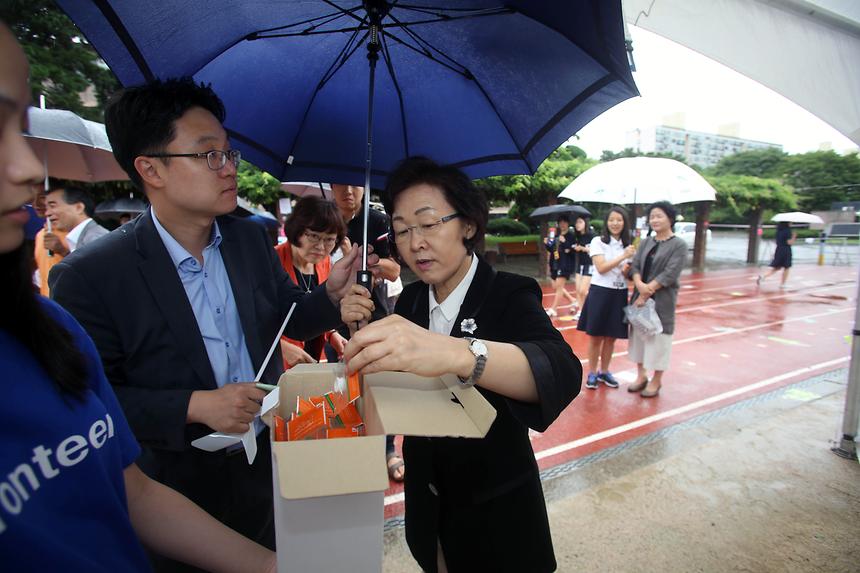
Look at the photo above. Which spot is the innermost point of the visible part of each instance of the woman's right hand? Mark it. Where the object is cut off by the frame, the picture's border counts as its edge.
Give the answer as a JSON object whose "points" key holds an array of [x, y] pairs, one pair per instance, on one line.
{"points": [[629, 251], [394, 344]]}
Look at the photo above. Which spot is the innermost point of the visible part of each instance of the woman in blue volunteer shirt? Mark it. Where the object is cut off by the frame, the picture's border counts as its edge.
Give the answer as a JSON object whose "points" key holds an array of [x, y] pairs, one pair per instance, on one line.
{"points": [[71, 497], [603, 312]]}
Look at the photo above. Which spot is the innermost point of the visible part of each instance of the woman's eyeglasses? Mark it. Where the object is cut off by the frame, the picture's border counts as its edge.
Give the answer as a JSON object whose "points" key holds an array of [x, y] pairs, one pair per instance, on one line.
{"points": [[315, 239], [402, 233]]}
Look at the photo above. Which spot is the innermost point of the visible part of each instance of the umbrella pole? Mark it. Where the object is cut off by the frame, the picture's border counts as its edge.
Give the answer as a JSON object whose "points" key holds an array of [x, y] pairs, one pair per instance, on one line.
{"points": [[365, 277]]}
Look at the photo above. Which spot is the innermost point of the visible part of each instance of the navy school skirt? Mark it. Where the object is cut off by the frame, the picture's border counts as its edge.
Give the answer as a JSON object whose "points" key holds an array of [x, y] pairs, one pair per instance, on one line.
{"points": [[603, 312]]}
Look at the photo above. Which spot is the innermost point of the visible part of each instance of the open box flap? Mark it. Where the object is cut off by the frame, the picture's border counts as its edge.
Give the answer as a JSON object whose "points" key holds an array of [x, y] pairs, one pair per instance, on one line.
{"points": [[412, 405]]}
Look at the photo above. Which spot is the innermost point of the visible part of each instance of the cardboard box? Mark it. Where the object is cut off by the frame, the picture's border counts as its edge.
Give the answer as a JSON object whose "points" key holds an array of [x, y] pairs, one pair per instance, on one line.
{"points": [[329, 494]]}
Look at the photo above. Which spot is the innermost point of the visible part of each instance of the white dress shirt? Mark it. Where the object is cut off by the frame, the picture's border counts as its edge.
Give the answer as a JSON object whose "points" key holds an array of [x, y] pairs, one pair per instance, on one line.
{"points": [[75, 234], [443, 315]]}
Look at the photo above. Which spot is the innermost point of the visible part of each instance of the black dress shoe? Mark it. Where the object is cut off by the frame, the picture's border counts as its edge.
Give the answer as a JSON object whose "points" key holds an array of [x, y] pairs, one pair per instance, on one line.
{"points": [[638, 386]]}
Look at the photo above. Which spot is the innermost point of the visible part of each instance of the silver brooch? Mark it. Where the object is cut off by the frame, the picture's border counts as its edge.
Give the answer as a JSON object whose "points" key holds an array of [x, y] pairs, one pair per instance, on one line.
{"points": [[469, 325]]}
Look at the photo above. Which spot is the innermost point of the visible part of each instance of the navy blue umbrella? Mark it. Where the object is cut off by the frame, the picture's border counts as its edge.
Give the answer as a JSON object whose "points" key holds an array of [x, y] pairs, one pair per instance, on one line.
{"points": [[489, 86]]}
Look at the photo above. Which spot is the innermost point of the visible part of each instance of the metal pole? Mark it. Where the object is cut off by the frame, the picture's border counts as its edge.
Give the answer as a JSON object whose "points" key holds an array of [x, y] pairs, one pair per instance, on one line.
{"points": [[822, 238], [372, 57], [847, 447]]}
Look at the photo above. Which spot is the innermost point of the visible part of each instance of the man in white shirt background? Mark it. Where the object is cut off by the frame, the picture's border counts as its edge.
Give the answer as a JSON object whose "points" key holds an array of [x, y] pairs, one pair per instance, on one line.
{"points": [[71, 209]]}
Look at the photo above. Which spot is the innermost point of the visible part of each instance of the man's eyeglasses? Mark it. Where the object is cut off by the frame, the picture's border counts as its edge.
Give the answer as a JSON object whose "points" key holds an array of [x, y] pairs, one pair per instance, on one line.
{"points": [[215, 159], [402, 234], [316, 239]]}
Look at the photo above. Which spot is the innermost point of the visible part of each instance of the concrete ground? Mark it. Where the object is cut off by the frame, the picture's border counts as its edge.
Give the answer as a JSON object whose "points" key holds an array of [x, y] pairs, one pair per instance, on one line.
{"points": [[751, 487]]}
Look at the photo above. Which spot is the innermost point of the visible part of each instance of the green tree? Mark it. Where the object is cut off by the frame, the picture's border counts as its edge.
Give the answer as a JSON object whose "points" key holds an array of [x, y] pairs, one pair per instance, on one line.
{"points": [[62, 63], [748, 197], [823, 177], [630, 152], [257, 186], [532, 191], [768, 163]]}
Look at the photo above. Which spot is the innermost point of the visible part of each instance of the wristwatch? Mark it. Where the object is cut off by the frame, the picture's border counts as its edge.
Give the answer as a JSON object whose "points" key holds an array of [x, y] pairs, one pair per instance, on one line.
{"points": [[479, 350]]}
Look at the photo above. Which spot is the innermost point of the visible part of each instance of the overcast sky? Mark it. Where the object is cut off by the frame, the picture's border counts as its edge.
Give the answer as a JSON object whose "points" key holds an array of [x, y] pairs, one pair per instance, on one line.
{"points": [[672, 78]]}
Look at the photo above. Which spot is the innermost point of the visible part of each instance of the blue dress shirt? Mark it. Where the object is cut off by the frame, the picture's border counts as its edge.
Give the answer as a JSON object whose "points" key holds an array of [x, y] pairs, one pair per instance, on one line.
{"points": [[211, 296]]}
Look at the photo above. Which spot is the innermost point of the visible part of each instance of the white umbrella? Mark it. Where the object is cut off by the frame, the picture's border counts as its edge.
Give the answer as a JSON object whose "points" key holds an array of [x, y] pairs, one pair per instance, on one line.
{"points": [[72, 147], [305, 189], [639, 180], [797, 217]]}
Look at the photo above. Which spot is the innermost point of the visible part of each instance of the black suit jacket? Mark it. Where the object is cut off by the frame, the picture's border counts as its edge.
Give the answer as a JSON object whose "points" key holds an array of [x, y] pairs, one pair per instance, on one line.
{"points": [[482, 498], [126, 292]]}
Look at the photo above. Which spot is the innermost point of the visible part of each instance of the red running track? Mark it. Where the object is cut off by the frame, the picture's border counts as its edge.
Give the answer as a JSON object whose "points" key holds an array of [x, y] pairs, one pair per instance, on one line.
{"points": [[733, 340]]}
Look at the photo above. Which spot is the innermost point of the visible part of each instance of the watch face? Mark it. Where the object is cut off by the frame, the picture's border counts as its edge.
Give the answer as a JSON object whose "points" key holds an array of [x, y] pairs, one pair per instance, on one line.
{"points": [[478, 347]]}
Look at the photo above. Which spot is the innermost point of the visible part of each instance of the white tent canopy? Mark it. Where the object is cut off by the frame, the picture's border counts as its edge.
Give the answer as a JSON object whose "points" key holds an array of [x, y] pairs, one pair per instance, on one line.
{"points": [[805, 50]]}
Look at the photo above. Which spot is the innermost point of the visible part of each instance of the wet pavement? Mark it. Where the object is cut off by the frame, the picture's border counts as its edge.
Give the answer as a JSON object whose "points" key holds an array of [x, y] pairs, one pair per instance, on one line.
{"points": [[751, 487], [734, 343]]}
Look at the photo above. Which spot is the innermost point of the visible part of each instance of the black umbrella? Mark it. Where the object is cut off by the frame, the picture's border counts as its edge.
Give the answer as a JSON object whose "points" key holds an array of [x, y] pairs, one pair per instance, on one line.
{"points": [[116, 207], [552, 211]]}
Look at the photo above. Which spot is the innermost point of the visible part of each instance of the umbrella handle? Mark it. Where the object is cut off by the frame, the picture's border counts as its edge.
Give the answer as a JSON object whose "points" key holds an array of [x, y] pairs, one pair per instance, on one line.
{"points": [[365, 279]]}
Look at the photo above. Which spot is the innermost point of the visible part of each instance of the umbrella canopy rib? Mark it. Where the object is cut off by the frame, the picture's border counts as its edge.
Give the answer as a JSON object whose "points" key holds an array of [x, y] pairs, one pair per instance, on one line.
{"points": [[342, 56], [122, 33], [562, 113], [322, 20], [467, 74], [389, 65]]}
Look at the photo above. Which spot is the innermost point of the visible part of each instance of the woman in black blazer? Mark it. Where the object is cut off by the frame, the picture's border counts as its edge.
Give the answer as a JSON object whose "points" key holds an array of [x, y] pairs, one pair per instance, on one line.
{"points": [[471, 504]]}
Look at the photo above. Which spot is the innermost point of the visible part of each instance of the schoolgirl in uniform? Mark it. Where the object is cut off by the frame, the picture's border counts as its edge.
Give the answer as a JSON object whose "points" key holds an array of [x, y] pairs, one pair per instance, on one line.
{"points": [[602, 315], [582, 240]]}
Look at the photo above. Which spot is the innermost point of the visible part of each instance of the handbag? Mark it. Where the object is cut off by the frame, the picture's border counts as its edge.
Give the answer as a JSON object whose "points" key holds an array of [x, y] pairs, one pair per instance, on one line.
{"points": [[644, 318]]}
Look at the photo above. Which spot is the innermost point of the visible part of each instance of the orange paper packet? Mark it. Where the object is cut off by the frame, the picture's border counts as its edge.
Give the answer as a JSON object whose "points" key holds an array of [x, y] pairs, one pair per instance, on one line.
{"points": [[280, 429], [349, 416], [303, 406], [306, 425], [353, 387]]}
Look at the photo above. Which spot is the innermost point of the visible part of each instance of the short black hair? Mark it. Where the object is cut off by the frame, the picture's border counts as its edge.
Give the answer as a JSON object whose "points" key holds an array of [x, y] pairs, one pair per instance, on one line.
{"points": [[314, 214], [458, 189], [625, 232], [72, 195], [140, 120], [565, 218], [666, 207]]}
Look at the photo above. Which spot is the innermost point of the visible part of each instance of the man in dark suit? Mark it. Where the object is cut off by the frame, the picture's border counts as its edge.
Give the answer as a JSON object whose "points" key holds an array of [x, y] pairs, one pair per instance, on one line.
{"points": [[184, 302]]}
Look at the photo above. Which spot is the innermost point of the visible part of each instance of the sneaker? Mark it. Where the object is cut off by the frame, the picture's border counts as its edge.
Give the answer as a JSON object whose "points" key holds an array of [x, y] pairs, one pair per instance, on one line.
{"points": [[592, 381], [577, 315], [551, 313], [608, 379]]}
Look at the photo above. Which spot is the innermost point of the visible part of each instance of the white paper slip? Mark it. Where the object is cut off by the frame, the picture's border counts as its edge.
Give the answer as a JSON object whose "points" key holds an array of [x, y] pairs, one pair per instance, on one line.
{"points": [[271, 400], [216, 441]]}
